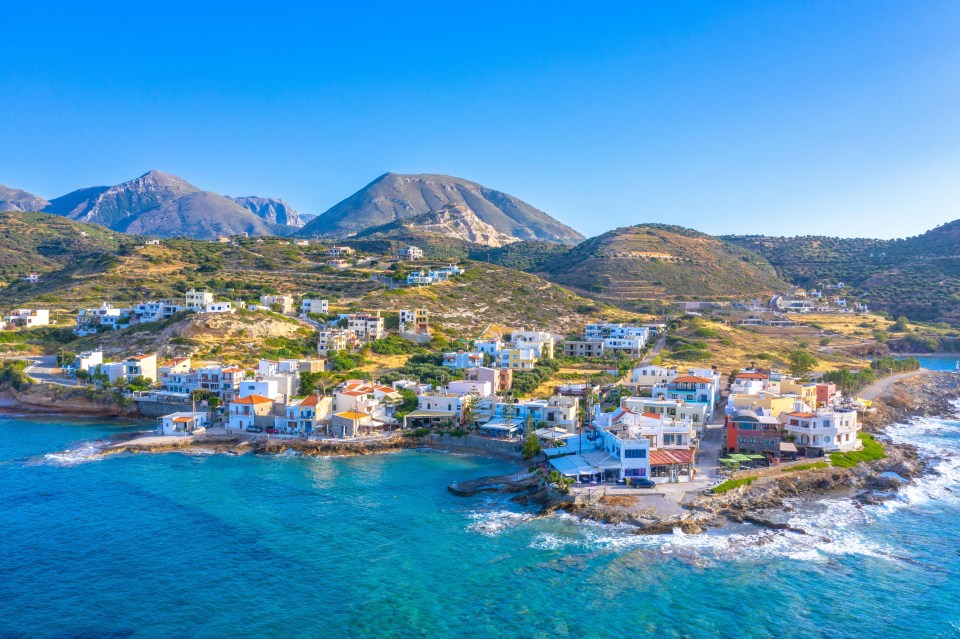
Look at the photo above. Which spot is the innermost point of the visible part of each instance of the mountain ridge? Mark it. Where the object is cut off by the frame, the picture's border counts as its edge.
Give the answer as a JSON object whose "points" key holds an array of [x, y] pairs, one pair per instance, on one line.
{"points": [[394, 196]]}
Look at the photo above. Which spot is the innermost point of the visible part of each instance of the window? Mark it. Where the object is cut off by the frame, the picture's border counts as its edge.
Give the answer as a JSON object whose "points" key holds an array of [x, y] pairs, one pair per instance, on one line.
{"points": [[635, 453]]}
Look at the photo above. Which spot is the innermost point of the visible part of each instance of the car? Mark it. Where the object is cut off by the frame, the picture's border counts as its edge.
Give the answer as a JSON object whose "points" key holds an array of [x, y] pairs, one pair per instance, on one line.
{"points": [[642, 482], [272, 431], [254, 429]]}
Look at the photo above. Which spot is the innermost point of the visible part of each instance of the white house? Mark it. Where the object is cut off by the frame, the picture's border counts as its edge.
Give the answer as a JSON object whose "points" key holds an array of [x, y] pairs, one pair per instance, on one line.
{"points": [[184, 423], [262, 387], [367, 327], [831, 431], [251, 412], [198, 300], [29, 317], [88, 361], [308, 306], [410, 253], [284, 302]]}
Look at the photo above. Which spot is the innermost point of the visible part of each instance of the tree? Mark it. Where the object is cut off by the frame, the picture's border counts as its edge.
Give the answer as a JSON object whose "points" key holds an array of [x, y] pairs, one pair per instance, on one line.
{"points": [[900, 325], [801, 362], [531, 445], [410, 402], [470, 414]]}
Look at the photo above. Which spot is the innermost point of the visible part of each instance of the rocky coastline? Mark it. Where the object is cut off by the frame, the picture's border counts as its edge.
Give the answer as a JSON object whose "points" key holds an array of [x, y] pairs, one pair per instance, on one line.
{"points": [[930, 395]]}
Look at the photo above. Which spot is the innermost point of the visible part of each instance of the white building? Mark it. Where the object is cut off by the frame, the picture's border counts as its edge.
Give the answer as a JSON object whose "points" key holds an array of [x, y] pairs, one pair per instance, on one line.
{"points": [[410, 253], [198, 300], [336, 339], [184, 423], [830, 430], [29, 318], [261, 387], [367, 327], [88, 361], [283, 302], [318, 306]]}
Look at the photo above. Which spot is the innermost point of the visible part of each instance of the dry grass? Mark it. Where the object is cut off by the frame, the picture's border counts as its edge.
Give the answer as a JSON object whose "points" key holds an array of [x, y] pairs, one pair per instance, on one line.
{"points": [[734, 347]]}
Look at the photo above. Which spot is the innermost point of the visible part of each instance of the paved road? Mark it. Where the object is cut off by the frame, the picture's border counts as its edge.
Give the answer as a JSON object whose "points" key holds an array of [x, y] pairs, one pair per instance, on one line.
{"points": [[653, 352], [710, 446], [884, 387], [46, 371]]}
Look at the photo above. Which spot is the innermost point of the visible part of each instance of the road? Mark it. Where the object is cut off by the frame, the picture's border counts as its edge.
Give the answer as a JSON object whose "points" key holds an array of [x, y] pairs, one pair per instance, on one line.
{"points": [[45, 370], [710, 447], [653, 352], [884, 387]]}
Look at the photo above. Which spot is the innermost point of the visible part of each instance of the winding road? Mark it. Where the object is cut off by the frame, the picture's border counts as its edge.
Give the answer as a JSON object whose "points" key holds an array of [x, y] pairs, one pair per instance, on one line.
{"points": [[884, 387]]}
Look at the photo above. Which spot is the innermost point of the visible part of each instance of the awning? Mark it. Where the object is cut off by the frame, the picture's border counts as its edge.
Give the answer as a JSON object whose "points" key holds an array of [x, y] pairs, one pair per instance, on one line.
{"points": [[432, 414], [573, 466], [664, 457], [788, 447], [558, 451]]}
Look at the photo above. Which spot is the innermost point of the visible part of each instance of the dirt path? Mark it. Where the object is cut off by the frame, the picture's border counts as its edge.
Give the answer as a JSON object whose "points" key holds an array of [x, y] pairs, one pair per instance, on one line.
{"points": [[884, 387]]}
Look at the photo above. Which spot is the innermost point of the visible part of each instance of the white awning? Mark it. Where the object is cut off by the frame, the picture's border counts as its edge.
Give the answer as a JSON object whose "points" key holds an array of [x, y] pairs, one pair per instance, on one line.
{"points": [[573, 466]]}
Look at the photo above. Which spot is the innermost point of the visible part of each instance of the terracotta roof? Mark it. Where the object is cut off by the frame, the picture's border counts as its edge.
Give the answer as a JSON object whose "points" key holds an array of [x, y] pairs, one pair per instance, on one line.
{"points": [[253, 399], [651, 415], [310, 400], [804, 415], [692, 379], [182, 420], [751, 376], [232, 369], [142, 357], [664, 457]]}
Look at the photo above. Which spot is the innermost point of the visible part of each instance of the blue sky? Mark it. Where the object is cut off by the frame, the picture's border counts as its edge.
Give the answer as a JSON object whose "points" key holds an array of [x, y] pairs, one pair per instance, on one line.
{"points": [[731, 117]]}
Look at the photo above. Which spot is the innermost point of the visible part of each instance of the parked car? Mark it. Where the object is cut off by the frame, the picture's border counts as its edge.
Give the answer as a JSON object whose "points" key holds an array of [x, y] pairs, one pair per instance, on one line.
{"points": [[254, 429], [272, 431], [642, 482]]}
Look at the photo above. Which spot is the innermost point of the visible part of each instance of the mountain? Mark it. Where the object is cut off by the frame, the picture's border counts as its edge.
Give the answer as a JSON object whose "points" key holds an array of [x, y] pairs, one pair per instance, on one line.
{"points": [[454, 221], [918, 277], [17, 200], [651, 262], [393, 197], [271, 210], [160, 204]]}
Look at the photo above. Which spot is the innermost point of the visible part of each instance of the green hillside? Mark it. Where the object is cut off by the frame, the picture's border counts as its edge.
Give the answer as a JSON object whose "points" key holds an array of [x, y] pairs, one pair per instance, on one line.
{"points": [[918, 277], [105, 266], [636, 265]]}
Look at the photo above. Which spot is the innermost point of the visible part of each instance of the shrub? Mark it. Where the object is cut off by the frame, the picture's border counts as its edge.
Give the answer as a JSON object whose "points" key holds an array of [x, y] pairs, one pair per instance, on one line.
{"points": [[872, 451], [806, 467], [730, 484]]}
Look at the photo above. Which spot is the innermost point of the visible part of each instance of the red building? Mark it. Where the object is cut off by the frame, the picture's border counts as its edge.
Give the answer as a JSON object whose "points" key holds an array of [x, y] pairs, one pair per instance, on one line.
{"points": [[747, 432]]}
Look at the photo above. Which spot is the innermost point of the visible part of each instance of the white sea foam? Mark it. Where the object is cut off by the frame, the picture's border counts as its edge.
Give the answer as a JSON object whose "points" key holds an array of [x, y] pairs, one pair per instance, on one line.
{"points": [[492, 523], [939, 442], [81, 455]]}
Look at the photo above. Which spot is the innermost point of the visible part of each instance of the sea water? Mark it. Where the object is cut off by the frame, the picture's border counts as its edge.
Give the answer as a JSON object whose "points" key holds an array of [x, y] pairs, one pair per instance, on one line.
{"points": [[202, 545]]}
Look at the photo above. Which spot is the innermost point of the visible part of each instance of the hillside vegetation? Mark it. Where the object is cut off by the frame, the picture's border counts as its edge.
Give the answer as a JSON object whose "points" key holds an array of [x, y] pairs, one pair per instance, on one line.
{"points": [[651, 262], [918, 277], [110, 267]]}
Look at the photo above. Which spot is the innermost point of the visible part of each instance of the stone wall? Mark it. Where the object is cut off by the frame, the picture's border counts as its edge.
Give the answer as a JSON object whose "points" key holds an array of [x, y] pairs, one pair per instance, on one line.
{"points": [[475, 443]]}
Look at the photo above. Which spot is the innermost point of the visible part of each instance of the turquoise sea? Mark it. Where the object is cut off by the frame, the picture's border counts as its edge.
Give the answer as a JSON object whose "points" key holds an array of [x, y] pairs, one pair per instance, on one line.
{"points": [[218, 546]]}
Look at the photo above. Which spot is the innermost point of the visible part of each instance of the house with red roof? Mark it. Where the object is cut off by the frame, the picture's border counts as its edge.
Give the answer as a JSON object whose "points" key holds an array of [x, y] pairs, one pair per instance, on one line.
{"points": [[252, 412]]}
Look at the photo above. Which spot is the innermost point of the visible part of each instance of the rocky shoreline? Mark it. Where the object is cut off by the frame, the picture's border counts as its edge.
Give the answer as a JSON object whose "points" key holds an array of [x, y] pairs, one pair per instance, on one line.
{"points": [[930, 395]]}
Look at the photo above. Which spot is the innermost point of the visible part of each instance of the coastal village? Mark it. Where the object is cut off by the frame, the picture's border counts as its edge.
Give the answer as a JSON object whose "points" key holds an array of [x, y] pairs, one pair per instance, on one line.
{"points": [[631, 422]]}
